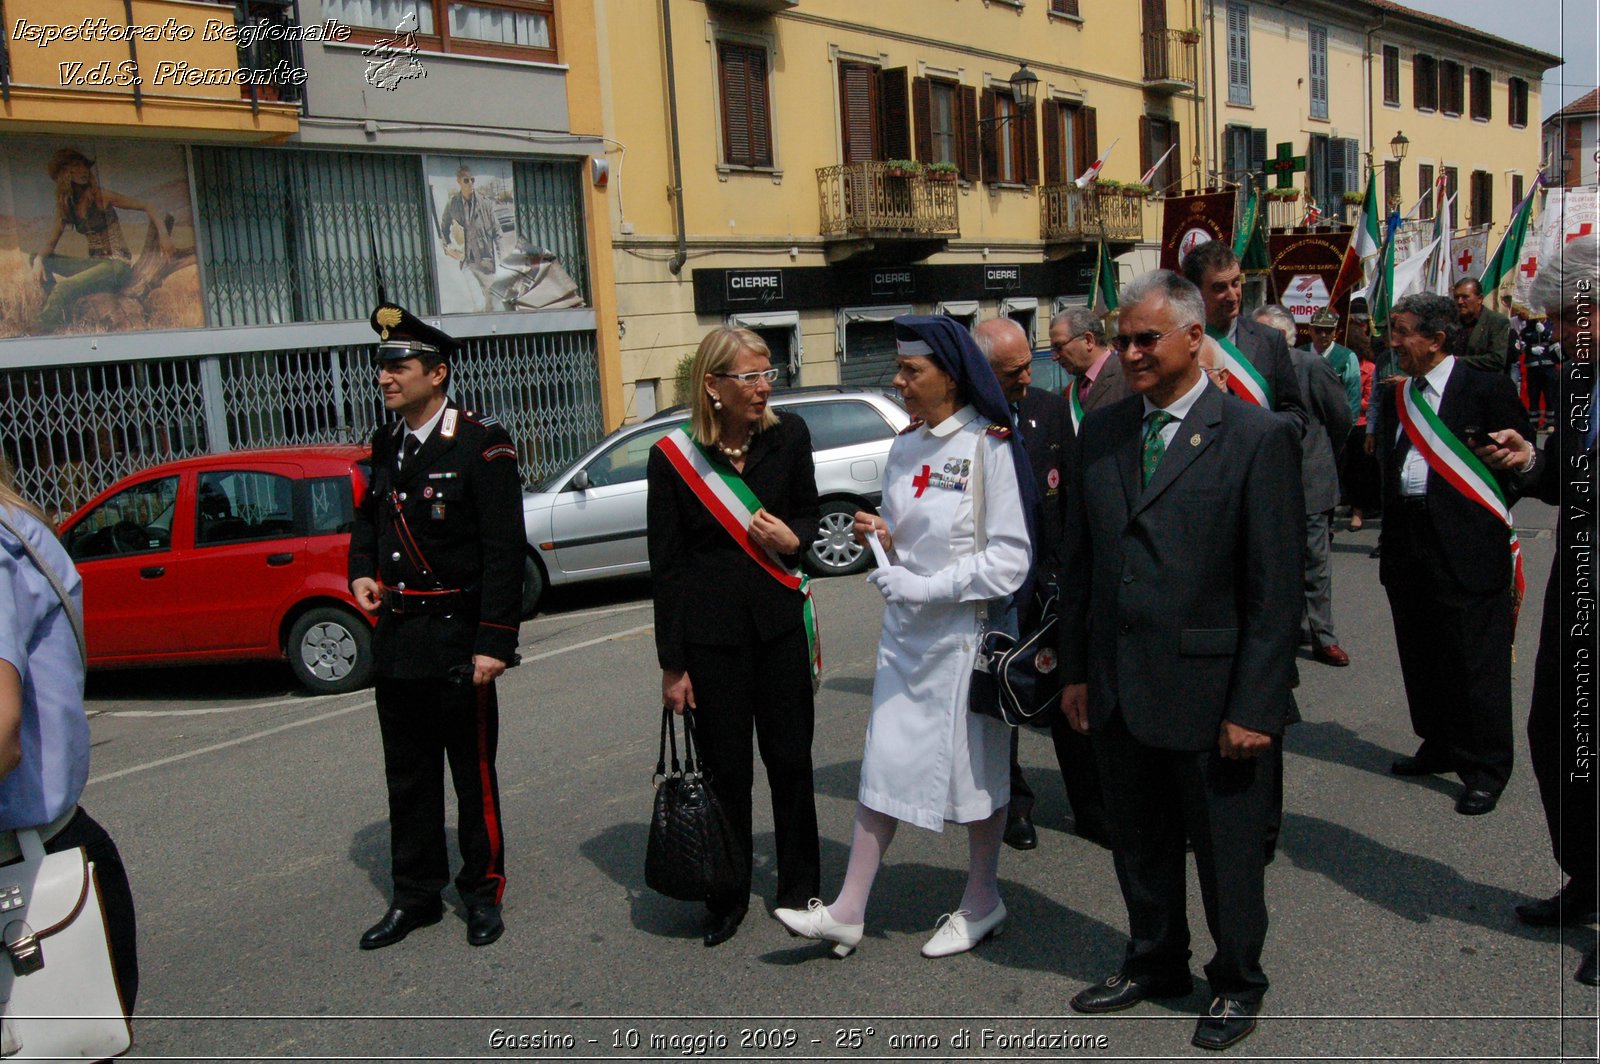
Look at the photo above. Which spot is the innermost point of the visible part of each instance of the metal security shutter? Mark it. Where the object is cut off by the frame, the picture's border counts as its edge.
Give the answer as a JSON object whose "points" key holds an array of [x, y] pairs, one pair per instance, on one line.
{"points": [[780, 340], [550, 213], [868, 354]]}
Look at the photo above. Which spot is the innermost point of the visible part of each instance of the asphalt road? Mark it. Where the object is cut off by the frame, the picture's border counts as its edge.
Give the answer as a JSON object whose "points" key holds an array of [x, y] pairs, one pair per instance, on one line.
{"points": [[253, 822]]}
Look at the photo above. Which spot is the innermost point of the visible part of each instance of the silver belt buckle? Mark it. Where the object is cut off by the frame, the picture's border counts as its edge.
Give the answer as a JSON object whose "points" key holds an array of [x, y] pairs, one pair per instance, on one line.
{"points": [[27, 956]]}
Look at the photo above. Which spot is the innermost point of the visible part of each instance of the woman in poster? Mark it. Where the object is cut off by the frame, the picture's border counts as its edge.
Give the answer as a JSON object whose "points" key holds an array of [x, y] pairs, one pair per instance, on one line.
{"points": [[91, 210]]}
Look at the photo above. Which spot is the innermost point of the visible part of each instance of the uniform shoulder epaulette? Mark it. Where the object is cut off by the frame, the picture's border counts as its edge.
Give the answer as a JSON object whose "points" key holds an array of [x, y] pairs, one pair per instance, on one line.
{"points": [[486, 420], [999, 432], [916, 423]]}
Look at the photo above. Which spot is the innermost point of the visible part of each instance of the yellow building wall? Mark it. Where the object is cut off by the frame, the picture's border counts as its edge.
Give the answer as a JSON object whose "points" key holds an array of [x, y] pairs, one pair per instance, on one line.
{"points": [[738, 218], [47, 91]]}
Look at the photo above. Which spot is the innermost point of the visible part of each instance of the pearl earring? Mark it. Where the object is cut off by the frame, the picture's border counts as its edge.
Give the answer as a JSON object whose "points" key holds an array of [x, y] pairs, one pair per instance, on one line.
{"points": [[716, 404]]}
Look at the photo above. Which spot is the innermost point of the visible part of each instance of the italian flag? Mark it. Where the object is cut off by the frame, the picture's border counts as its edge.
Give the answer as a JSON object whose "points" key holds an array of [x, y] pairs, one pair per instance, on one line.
{"points": [[1105, 284], [1360, 256], [1509, 252]]}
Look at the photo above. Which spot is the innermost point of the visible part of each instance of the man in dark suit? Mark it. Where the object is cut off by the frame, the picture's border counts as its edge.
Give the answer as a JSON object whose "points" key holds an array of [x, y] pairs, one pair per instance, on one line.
{"points": [[1484, 338], [1446, 564], [1078, 344], [436, 552], [1563, 475], [1213, 268], [1046, 428], [1183, 542]]}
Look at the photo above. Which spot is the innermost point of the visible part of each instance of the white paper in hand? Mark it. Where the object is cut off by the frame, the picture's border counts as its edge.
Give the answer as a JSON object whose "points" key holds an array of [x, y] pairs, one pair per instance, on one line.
{"points": [[877, 551]]}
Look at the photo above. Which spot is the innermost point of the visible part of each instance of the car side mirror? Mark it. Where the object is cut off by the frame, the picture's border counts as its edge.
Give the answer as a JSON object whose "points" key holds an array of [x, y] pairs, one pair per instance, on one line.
{"points": [[579, 481]]}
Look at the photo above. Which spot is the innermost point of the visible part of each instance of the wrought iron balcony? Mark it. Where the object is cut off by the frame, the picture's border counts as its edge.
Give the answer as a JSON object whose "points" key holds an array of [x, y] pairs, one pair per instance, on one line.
{"points": [[268, 57], [871, 200], [1285, 213], [1169, 60], [1068, 213]]}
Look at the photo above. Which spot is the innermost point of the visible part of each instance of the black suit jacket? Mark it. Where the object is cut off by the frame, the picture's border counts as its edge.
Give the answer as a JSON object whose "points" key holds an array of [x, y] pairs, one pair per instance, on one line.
{"points": [[1268, 352], [1182, 599], [707, 589], [1566, 466], [1110, 387], [1475, 539], [1046, 426], [461, 498]]}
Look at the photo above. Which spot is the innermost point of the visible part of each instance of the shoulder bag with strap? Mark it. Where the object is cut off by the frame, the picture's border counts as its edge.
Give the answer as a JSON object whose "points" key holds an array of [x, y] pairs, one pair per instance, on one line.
{"points": [[731, 502], [58, 993]]}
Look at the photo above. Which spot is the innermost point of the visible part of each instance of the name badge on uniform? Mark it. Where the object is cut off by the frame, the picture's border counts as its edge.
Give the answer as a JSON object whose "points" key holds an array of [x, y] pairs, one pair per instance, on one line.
{"points": [[438, 511], [447, 427]]}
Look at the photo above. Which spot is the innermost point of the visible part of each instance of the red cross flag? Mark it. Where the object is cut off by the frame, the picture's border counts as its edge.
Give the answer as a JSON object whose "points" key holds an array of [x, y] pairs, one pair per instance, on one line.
{"points": [[1467, 254]]}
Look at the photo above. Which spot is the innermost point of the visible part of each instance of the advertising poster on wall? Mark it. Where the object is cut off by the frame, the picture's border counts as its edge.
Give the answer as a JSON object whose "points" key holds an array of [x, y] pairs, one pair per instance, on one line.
{"points": [[484, 265], [95, 236]]}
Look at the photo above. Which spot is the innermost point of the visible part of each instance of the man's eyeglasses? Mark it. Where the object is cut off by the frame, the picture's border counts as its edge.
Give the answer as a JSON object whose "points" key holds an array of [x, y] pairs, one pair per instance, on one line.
{"points": [[1218, 375], [1144, 341], [768, 375]]}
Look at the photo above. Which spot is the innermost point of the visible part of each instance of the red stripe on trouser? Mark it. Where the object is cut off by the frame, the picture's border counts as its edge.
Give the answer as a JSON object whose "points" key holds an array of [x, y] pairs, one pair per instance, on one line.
{"points": [[491, 812]]}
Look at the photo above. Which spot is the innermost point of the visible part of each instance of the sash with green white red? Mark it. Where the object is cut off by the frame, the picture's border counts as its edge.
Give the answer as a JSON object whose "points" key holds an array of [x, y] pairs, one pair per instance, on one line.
{"points": [[1450, 459], [1074, 399], [1244, 380], [731, 502]]}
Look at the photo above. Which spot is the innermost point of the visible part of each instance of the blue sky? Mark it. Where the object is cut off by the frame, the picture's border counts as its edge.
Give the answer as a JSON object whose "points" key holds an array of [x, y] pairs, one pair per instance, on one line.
{"points": [[1567, 28]]}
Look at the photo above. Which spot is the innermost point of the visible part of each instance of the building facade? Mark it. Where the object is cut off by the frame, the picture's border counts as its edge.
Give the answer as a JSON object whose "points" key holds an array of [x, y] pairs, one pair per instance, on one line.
{"points": [[811, 168], [203, 199], [1571, 146]]}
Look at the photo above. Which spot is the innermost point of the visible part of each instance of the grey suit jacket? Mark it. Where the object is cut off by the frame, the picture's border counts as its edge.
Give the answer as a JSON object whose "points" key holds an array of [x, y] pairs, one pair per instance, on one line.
{"points": [[1182, 599], [1110, 387], [1329, 408]]}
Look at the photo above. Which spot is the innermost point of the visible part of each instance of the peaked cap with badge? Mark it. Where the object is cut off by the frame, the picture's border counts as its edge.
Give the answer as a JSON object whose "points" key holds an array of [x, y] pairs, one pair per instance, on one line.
{"points": [[1325, 318], [401, 334]]}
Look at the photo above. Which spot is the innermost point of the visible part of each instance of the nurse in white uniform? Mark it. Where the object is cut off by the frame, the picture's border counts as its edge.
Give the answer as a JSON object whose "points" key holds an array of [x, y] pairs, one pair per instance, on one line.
{"points": [[928, 759]]}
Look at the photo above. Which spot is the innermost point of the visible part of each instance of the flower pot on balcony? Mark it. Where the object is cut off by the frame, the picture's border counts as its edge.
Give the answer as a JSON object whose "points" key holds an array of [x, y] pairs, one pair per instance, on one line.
{"points": [[941, 173]]}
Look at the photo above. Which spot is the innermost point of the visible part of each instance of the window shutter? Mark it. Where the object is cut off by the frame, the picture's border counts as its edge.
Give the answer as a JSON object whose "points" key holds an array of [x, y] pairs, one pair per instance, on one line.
{"points": [[857, 110], [967, 132], [1452, 192], [760, 110], [1088, 141], [991, 161], [1258, 150], [1155, 16], [1238, 53], [1028, 131], [1172, 173], [1425, 189], [735, 105], [1050, 112], [1317, 38], [894, 121], [922, 115], [1516, 190], [1391, 74], [1145, 158]]}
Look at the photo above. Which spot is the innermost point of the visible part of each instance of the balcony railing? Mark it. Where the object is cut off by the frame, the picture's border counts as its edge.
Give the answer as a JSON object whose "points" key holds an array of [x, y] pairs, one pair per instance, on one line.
{"points": [[1285, 213], [1067, 213], [274, 56], [862, 199], [1169, 60]]}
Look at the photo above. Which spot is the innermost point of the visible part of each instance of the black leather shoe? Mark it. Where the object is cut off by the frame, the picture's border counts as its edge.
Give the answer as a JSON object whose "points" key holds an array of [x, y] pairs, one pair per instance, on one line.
{"points": [[1228, 1022], [1418, 766], [1476, 802], [397, 923], [1020, 834], [484, 924], [1570, 908], [1118, 993], [721, 926], [1589, 971]]}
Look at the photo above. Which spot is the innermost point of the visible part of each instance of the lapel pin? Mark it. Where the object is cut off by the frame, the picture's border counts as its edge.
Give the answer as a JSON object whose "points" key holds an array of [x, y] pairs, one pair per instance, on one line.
{"points": [[1194, 441]]}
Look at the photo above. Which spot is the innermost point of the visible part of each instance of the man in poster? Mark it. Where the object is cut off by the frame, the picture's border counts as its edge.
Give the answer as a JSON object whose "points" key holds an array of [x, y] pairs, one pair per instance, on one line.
{"points": [[468, 230]]}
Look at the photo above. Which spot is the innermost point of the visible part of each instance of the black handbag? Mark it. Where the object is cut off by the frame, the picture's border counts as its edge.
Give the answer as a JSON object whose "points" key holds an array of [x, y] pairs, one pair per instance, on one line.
{"points": [[692, 854], [1017, 677]]}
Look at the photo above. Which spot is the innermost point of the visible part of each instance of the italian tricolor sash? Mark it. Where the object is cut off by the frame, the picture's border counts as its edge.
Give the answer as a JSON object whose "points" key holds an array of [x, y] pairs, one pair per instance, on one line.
{"points": [[1450, 459], [1076, 403], [1244, 380], [730, 500]]}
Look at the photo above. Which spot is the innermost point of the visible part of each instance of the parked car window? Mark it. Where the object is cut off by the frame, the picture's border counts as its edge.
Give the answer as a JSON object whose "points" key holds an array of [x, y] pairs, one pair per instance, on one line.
{"points": [[136, 520], [240, 505], [624, 461], [1047, 374], [842, 424], [330, 506]]}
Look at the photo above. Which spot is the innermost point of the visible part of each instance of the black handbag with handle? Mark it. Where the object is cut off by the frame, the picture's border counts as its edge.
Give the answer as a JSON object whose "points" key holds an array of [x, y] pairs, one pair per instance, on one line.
{"points": [[1017, 678], [692, 854]]}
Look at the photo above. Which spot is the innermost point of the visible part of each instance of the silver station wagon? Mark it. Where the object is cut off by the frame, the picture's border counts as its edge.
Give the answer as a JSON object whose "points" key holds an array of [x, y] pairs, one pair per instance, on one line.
{"points": [[588, 521]]}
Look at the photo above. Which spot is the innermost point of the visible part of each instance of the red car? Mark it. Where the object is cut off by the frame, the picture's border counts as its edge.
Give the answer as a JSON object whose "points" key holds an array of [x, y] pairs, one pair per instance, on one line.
{"points": [[227, 557]]}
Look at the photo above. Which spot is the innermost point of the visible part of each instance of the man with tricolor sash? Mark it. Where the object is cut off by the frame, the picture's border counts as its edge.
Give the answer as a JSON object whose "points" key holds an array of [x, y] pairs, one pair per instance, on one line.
{"points": [[1451, 563], [1255, 356], [1078, 344]]}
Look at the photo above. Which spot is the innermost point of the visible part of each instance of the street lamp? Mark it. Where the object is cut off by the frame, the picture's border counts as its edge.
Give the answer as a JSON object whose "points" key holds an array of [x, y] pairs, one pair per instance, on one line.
{"points": [[1398, 147], [1024, 84]]}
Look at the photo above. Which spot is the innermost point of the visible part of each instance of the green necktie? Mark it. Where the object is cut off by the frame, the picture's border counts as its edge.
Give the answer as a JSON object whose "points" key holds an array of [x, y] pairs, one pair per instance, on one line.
{"points": [[1154, 446]]}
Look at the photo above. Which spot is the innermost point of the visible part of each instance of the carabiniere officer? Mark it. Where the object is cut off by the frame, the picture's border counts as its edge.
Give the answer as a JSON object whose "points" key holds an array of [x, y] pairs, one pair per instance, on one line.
{"points": [[436, 553]]}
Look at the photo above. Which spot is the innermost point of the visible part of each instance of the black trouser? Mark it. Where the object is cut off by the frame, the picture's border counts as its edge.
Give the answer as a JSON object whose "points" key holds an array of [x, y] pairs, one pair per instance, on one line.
{"points": [[767, 686], [115, 896], [1080, 777], [1455, 654], [1223, 806], [1566, 789], [424, 723]]}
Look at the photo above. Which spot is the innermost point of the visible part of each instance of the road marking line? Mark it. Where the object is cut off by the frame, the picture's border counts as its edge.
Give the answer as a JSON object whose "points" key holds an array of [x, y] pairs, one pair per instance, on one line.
{"points": [[583, 615], [301, 701], [364, 704]]}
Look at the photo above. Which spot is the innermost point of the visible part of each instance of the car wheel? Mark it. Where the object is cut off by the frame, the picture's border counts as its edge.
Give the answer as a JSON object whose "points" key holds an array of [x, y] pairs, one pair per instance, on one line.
{"points": [[836, 552], [532, 586], [330, 651]]}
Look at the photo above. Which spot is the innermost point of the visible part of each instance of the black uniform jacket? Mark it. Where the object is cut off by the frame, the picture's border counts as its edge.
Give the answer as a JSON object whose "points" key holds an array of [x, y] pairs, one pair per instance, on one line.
{"points": [[461, 497], [707, 589], [1268, 352], [1475, 540], [1046, 426], [1181, 599]]}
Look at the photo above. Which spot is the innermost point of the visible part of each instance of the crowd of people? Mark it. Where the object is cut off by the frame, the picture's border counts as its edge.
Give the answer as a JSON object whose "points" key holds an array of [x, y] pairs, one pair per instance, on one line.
{"points": [[1179, 497]]}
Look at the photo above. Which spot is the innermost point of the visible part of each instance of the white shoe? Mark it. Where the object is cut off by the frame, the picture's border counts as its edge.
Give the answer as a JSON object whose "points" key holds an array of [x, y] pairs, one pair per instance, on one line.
{"points": [[815, 922], [954, 933]]}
